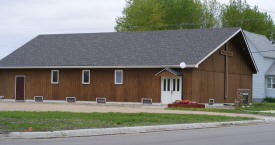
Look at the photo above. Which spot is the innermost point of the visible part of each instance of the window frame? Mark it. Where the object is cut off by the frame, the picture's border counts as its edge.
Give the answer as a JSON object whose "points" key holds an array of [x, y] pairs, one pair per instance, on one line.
{"points": [[119, 83], [174, 84], [272, 78], [164, 84], [178, 84], [89, 82], [52, 82], [169, 84]]}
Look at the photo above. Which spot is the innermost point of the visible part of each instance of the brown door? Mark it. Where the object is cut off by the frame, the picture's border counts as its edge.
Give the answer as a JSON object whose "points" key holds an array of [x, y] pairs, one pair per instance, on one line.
{"points": [[20, 88]]}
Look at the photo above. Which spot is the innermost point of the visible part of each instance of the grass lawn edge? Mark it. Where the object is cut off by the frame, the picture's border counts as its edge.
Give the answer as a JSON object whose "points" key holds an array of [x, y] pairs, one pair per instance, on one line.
{"points": [[20, 121]]}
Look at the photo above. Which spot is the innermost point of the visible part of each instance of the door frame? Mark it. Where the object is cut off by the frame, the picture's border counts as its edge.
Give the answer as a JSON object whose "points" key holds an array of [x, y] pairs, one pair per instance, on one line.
{"points": [[16, 76], [171, 78]]}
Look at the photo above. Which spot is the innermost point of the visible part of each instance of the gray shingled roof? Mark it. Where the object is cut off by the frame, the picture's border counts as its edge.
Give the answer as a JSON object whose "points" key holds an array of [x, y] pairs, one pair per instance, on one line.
{"points": [[261, 43], [146, 48]]}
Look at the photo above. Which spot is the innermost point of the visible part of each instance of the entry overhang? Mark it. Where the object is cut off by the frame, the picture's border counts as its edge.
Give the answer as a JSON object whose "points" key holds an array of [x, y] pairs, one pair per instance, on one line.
{"points": [[170, 71]]}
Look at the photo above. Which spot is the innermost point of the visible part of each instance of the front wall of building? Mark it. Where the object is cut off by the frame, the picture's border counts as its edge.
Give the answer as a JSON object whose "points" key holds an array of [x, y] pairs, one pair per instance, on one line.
{"points": [[137, 84], [202, 84]]}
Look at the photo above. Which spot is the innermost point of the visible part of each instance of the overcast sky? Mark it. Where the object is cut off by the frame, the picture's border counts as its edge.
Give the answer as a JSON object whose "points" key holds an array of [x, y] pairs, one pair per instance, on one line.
{"points": [[21, 20]]}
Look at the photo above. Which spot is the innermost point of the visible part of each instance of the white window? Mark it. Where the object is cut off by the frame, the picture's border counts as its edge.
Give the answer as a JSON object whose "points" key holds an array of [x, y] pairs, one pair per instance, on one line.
{"points": [[86, 77], [271, 82], [118, 76], [55, 77]]}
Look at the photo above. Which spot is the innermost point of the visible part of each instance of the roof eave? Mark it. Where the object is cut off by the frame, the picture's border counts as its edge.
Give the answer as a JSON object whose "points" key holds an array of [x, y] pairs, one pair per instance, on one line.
{"points": [[250, 53], [80, 67]]}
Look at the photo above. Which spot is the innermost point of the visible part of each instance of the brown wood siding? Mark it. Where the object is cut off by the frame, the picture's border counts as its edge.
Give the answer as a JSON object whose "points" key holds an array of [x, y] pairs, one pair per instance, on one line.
{"points": [[137, 83], [202, 84], [207, 82]]}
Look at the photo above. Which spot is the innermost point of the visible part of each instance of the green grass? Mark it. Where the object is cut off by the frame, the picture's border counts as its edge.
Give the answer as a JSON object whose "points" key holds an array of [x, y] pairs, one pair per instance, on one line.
{"points": [[50, 121], [261, 107], [269, 99], [246, 110]]}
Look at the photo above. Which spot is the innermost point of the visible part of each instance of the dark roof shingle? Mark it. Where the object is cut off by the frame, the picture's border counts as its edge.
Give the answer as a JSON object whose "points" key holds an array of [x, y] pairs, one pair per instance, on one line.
{"points": [[145, 48]]}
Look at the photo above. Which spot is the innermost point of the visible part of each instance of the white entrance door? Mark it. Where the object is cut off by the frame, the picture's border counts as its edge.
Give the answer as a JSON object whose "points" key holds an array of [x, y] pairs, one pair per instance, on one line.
{"points": [[170, 89]]}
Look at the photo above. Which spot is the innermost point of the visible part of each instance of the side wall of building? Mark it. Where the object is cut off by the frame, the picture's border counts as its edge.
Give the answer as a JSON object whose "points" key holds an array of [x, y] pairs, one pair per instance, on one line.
{"points": [[137, 84], [259, 80], [270, 92], [207, 82]]}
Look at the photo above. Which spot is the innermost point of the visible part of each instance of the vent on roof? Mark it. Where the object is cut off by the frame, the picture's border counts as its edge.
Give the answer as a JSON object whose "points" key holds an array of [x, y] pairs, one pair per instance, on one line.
{"points": [[71, 99], [38, 98], [146, 100], [101, 100], [211, 101]]}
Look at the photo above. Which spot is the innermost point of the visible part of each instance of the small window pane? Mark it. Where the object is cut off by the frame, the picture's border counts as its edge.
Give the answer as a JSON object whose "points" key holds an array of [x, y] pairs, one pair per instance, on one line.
{"points": [[178, 84], [168, 84], [268, 82], [164, 85], [86, 76], [174, 84], [273, 83], [55, 77], [118, 77]]}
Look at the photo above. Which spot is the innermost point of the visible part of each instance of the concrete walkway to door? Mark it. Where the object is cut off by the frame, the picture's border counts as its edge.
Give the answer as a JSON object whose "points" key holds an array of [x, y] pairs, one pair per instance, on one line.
{"points": [[65, 107]]}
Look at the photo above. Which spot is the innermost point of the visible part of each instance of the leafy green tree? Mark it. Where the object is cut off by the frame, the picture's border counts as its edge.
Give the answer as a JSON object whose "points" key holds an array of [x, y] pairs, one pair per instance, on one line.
{"points": [[140, 15], [239, 14], [143, 15], [211, 15]]}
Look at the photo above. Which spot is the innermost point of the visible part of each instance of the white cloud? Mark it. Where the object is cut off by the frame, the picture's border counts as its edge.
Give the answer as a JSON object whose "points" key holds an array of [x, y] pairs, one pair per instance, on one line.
{"points": [[21, 20], [51, 16]]}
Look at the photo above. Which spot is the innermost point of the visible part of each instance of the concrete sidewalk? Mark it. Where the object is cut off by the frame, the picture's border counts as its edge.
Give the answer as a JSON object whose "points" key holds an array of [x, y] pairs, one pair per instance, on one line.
{"points": [[127, 130], [87, 108]]}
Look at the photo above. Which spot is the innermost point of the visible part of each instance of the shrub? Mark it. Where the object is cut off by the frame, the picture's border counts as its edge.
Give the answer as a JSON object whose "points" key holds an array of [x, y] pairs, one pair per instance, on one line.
{"points": [[269, 100]]}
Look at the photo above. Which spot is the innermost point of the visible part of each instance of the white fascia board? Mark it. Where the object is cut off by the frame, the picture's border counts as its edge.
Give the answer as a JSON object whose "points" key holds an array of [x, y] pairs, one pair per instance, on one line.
{"points": [[251, 56], [213, 51], [240, 30], [52, 67], [164, 70], [87, 67]]}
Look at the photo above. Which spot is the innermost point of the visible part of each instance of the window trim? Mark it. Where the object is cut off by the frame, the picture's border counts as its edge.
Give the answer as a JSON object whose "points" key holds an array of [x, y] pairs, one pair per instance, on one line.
{"points": [[119, 70], [164, 85], [272, 83], [169, 84], [57, 77], [174, 84], [89, 82], [178, 84]]}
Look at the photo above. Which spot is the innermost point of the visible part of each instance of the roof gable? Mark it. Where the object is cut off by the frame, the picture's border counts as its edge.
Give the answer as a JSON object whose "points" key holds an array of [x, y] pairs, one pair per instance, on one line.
{"points": [[168, 72], [120, 49]]}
